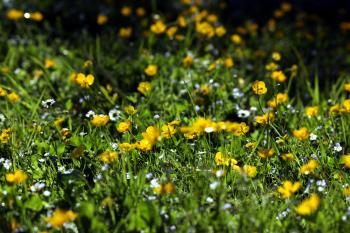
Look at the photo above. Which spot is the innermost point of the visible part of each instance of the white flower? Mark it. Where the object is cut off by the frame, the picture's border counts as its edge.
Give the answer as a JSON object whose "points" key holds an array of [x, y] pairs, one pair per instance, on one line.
{"points": [[337, 147], [114, 114], [313, 137], [90, 114], [214, 185], [243, 113], [209, 200], [209, 129], [46, 193], [47, 103]]}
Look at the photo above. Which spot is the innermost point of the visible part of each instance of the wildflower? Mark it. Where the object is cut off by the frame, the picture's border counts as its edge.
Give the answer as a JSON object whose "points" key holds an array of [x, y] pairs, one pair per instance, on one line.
{"points": [[236, 39], [5, 135], [144, 87], [108, 156], [259, 87], [3, 92], [130, 110], [228, 62], [288, 188], [14, 14], [334, 109], [181, 21], [124, 126], [126, 10], [337, 147], [205, 89], [278, 76], [309, 167], [151, 70], [271, 66], [18, 177], [168, 131], [158, 27], [60, 217], [346, 160], [84, 81], [309, 205], [347, 87], [249, 170], [220, 31], [250, 145], [151, 134], [205, 29], [187, 61], [346, 191], [313, 137], [311, 111], [301, 134], [49, 63], [36, 16], [266, 153], [144, 145], [276, 56], [346, 105], [140, 11], [265, 119], [171, 32], [125, 32], [13, 97], [100, 120], [288, 157], [279, 99], [102, 19], [165, 188], [126, 146], [65, 133]]}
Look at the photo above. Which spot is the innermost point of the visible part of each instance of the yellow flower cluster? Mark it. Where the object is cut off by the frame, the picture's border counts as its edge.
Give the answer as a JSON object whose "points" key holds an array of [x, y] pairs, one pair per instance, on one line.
{"points": [[202, 125], [18, 177], [60, 217], [309, 205], [222, 160], [288, 188]]}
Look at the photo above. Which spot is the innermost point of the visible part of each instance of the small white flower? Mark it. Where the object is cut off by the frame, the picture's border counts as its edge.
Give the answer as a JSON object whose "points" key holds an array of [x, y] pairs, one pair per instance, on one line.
{"points": [[313, 137], [209, 200], [214, 185], [47, 103], [90, 114], [114, 114], [209, 129], [243, 113], [337, 147], [154, 183], [46, 193], [226, 206], [219, 173]]}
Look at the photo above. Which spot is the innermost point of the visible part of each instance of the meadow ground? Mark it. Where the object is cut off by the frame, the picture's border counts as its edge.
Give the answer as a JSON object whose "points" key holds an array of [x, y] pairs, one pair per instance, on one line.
{"points": [[175, 123]]}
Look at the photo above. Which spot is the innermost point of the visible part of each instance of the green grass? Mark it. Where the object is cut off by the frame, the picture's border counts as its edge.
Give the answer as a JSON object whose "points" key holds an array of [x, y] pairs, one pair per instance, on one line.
{"points": [[68, 172]]}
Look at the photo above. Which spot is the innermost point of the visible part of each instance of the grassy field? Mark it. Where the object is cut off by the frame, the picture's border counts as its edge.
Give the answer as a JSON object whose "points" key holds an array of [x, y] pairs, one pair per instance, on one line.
{"points": [[175, 124]]}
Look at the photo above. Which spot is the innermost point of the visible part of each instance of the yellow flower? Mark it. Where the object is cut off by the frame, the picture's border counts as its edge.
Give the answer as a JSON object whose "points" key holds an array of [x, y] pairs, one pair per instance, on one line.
{"points": [[168, 131], [229, 63], [271, 66], [188, 61], [14, 14], [346, 160], [182, 21], [236, 39], [301, 134], [13, 97], [347, 87], [346, 106], [220, 31], [124, 126], [309, 167], [85, 81], [36, 16], [266, 153], [108, 156], [58, 122], [49, 63], [130, 110], [334, 109], [125, 32], [126, 146], [171, 32], [205, 29], [158, 27], [5, 135], [126, 10], [294, 70], [151, 134], [278, 76], [3, 92], [276, 56], [102, 19], [346, 191], [140, 11], [144, 87], [18, 177], [60, 217], [259, 87], [100, 120], [265, 119], [309, 205], [166, 188], [288, 188], [312, 111], [144, 145], [279, 99], [288, 157], [151, 70], [249, 170], [250, 145]]}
